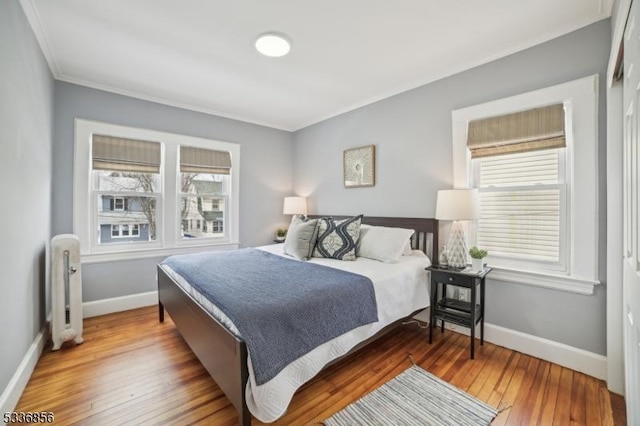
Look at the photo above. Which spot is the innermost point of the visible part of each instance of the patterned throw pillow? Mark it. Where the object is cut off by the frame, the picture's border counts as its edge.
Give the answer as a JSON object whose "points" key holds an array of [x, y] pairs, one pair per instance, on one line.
{"points": [[337, 239]]}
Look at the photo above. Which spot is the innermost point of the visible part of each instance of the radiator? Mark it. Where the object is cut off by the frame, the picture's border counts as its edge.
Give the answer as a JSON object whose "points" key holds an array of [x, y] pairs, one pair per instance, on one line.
{"points": [[66, 290]]}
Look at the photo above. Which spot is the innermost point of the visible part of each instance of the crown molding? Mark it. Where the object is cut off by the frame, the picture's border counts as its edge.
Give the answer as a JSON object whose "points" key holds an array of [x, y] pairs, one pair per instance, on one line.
{"points": [[31, 12]]}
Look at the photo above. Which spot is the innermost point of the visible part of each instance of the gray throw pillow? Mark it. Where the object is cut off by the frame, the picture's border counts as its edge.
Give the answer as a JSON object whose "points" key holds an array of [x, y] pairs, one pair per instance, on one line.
{"points": [[301, 238]]}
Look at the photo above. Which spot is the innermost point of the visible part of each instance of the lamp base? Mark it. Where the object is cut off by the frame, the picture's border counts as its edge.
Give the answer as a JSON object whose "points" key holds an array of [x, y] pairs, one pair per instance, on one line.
{"points": [[457, 246]]}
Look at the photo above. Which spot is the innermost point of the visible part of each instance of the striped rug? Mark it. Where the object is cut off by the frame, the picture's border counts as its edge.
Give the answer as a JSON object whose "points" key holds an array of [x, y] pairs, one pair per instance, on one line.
{"points": [[415, 397]]}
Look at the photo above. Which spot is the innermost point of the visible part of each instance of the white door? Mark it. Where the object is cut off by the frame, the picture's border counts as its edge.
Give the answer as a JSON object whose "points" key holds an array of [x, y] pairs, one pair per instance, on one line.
{"points": [[631, 217]]}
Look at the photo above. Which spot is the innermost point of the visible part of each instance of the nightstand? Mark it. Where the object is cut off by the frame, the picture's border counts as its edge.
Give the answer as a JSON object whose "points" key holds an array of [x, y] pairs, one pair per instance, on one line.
{"points": [[450, 309]]}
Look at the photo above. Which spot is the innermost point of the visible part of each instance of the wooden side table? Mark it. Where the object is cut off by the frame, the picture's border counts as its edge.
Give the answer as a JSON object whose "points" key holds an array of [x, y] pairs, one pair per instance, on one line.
{"points": [[450, 309]]}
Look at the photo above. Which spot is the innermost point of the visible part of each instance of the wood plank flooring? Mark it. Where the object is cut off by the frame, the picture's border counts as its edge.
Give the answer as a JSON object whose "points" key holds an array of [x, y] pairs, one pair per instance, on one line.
{"points": [[134, 370]]}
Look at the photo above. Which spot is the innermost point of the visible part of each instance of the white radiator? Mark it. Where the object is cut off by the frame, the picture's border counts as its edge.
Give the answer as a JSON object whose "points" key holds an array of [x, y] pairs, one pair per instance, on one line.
{"points": [[66, 290]]}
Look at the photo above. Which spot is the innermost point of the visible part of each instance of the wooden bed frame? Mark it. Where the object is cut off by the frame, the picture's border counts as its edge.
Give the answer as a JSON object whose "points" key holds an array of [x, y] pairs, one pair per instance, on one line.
{"points": [[224, 355]]}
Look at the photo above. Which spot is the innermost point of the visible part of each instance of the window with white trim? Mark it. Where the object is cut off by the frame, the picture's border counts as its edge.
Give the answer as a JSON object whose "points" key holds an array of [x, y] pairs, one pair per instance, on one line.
{"points": [[517, 164], [539, 207], [138, 192], [523, 207], [204, 191], [118, 204], [125, 230], [125, 187]]}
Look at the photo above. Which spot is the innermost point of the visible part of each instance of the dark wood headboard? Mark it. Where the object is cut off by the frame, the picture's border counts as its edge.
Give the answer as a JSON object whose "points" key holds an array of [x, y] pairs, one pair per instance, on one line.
{"points": [[425, 237]]}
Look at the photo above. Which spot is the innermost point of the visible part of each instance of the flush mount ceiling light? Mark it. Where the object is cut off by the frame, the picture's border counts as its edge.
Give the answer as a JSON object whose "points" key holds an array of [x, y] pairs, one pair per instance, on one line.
{"points": [[273, 44]]}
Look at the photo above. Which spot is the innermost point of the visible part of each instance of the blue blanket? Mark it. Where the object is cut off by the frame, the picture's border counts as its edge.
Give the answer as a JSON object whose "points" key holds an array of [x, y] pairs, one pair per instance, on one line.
{"points": [[283, 308]]}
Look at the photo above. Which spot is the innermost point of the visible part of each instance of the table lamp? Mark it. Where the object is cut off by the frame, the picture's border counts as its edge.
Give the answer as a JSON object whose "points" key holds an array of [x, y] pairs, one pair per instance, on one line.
{"points": [[295, 205], [457, 205]]}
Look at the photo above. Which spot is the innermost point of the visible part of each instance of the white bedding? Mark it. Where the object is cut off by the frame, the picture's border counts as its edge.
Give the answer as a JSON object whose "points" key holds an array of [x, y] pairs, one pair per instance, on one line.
{"points": [[400, 289]]}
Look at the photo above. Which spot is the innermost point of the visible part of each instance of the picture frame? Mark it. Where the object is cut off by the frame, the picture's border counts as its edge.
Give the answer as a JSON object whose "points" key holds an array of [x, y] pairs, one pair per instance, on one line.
{"points": [[359, 166]]}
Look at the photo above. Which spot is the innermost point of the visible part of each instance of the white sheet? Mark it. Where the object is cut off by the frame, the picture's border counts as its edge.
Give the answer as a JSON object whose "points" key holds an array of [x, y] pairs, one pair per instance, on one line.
{"points": [[400, 289]]}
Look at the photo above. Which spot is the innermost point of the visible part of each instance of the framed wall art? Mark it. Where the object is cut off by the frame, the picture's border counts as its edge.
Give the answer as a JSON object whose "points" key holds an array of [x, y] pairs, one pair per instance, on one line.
{"points": [[359, 165]]}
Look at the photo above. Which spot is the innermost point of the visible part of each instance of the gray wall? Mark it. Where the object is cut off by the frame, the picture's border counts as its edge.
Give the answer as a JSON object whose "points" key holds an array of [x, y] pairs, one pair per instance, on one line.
{"points": [[26, 102], [412, 134], [265, 173]]}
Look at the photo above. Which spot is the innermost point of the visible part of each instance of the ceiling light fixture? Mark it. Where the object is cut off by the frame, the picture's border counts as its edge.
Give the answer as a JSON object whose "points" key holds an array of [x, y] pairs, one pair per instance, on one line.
{"points": [[273, 44]]}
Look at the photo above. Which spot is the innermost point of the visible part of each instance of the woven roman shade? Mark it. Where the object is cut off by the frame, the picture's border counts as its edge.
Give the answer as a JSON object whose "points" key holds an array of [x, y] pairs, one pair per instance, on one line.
{"points": [[199, 160], [525, 131], [127, 155]]}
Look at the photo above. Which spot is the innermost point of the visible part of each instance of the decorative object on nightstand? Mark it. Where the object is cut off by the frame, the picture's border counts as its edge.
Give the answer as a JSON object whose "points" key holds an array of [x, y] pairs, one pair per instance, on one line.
{"points": [[466, 311], [457, 205], [477, 264], [443, 259], [281, 234]]}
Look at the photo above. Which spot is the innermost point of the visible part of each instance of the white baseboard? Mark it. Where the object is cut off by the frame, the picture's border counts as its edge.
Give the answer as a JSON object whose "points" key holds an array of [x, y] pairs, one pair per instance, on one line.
{"points": [[119, 304], [12, 393], [586, 362]]}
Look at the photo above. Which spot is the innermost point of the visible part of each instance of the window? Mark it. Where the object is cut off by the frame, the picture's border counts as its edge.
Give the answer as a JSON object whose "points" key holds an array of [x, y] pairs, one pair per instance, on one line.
{"points": [[204, 190], [118, 204], [522, 200], [144, 193], [517, 166], [125, 185], [539, 208], [125, 230]]}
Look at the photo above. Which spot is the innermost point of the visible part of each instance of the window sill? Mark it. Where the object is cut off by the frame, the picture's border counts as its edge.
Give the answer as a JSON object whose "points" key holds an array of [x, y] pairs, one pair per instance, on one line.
{"points": [[154, 252], [544, 280]]}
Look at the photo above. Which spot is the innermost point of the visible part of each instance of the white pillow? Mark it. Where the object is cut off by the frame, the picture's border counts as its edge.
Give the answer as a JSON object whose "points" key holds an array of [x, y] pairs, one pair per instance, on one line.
{"points": [[407, 250], [383, 243]]}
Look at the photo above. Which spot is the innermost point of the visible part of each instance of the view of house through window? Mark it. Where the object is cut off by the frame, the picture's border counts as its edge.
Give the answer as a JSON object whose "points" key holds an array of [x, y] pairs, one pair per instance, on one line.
{"points": [[125, 181], [126, 205], [204, 191], [202, 206], [151, 192], [127, 191]]}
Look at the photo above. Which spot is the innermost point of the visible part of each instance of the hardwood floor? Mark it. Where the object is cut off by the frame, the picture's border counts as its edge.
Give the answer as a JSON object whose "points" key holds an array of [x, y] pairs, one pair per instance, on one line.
{"points": [[133, 369]]}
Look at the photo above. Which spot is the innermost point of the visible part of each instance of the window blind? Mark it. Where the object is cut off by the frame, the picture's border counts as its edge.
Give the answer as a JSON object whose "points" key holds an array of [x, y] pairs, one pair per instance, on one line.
{"points": [[129, 155], [524, 131], [520, 203], [199, 160]]}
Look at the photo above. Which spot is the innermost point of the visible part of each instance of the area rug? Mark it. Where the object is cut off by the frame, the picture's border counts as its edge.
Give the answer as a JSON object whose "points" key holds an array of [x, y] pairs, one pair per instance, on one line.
{"points": [[415, 397]]}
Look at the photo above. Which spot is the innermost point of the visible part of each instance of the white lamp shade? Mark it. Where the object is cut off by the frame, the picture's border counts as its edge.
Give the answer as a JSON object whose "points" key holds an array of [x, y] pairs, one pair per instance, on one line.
{"points": [[457, 204], [295, 205]]}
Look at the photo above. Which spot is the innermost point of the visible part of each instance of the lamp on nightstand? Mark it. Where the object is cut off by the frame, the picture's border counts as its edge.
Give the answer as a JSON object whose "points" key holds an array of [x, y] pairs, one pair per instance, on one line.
{"points": [[457, 205], [295, 205]]}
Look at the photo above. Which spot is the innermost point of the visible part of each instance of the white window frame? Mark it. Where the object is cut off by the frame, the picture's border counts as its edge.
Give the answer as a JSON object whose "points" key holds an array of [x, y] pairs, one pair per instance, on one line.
{"points": [[580, 98], [561, 266], [115, 202], [168, 220], [120, 228]]}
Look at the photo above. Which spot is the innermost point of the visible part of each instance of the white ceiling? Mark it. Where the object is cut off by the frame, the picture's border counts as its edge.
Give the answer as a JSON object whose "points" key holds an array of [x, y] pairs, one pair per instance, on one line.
{"points": [[199, 54]]}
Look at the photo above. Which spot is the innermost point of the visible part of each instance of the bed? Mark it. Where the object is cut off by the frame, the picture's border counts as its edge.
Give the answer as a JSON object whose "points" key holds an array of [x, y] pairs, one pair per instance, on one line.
{"points": [[224, 353]]}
